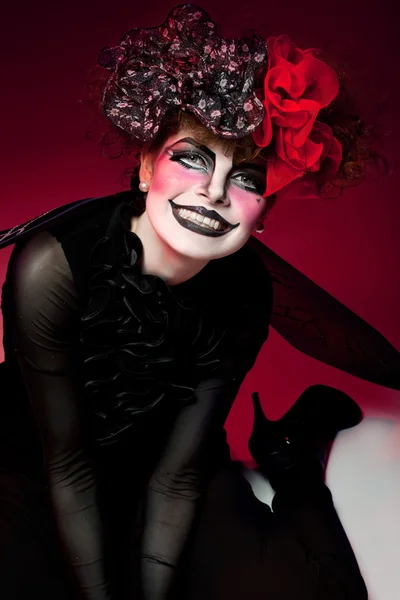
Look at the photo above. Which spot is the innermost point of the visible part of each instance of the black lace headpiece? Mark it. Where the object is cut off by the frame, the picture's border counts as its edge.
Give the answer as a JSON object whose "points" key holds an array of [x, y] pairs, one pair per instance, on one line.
{"points": [[185, 64]]}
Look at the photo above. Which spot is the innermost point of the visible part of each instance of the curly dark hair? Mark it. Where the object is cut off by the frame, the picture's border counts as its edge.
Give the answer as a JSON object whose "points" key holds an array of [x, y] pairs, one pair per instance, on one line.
{"points": [[356, 137]]}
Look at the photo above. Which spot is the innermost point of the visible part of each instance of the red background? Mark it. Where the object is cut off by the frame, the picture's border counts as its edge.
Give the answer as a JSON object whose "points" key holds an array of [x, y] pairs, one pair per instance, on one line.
{"points": [[350, 246]]}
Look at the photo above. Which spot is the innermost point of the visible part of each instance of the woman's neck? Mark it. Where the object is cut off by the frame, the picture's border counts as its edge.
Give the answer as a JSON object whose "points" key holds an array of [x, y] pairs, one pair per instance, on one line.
{"points": [[159, 259]]}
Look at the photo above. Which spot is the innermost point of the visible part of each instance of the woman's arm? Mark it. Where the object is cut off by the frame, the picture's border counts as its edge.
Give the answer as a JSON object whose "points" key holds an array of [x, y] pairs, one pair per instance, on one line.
{"points": [[44, 319], [195, 450]]}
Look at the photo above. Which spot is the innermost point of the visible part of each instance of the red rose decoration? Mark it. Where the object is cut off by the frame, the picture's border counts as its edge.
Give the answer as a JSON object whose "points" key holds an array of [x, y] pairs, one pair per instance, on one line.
{"points": [[297, 85]]}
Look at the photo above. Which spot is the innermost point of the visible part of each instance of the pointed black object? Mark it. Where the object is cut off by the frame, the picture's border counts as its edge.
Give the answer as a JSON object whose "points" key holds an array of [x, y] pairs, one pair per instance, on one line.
{"points": [[51, 218], [304, 314], [297, 446]]}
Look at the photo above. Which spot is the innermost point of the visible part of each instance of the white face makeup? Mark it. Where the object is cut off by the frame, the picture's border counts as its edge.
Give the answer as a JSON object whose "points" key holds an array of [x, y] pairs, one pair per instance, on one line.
{"points": [[199, 203]]}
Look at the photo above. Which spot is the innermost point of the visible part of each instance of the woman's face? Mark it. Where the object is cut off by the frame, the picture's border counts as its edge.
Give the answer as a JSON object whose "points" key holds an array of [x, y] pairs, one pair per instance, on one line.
{"points": [[199, 203]]}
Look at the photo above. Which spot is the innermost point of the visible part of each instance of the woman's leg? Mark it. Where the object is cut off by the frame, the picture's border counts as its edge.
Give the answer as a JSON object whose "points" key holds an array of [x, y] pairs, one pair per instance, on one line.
{"points": [[309, 513], [243, 550]]}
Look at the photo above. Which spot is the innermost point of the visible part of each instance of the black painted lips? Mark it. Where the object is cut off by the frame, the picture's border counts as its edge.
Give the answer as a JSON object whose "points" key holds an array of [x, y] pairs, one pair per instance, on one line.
{"points": [[211, 214]]}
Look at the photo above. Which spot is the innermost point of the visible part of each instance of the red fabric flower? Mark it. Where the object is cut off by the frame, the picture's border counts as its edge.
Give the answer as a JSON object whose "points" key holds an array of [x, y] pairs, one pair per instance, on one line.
{"points": [[297, 85]]}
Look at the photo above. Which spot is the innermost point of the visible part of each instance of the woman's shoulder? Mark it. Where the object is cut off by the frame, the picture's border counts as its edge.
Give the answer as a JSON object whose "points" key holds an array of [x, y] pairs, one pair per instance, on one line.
{"points": [[61, 239], [78, 236], [86, 221], [71, 230]]}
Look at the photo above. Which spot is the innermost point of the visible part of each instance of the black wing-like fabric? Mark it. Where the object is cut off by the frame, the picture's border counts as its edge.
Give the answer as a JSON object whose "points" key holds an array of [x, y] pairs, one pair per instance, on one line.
{"points": [[319, 325], [61, 214]]}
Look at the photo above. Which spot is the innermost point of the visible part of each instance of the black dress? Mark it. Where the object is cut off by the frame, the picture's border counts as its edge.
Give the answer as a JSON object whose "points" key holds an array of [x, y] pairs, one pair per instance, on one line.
{"points": [[116, 479]]}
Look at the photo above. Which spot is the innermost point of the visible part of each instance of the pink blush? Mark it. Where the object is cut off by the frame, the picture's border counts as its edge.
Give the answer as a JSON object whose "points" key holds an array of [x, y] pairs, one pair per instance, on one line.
{"points": [[246, 203], [237, 192], [172, 179]]}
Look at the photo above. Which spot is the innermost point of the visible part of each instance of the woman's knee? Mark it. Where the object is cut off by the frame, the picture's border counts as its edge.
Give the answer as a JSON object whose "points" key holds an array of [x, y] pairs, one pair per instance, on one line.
{"points": [[339, 581]]}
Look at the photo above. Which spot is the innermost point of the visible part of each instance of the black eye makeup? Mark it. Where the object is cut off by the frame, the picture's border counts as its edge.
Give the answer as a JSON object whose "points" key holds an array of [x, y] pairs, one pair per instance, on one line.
{"points": [[200, 159], [250, 182], [251, 177], [247, 176], [190, 160]]}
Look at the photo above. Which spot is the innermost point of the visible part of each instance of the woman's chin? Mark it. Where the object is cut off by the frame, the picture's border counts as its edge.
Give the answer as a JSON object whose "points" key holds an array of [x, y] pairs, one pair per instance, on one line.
{"points": [[204, 251]]}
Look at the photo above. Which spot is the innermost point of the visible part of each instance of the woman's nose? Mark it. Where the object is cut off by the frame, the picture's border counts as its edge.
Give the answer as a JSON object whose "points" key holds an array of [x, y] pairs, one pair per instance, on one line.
{"points": [[216, 193]]}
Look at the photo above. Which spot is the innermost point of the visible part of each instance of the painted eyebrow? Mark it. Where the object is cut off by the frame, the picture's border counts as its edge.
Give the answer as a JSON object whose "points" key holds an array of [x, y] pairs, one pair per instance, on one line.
{"points": [[252, 166], [193, 142]]}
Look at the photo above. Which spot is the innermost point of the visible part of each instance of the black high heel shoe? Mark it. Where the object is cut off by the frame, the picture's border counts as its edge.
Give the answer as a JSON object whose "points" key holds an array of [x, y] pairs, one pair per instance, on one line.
{"points": [[297, 446]]}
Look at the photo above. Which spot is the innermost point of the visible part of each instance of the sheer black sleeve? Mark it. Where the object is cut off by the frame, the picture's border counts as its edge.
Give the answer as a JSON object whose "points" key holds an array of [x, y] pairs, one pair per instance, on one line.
{"points": [[43, 314], [178, 483]]}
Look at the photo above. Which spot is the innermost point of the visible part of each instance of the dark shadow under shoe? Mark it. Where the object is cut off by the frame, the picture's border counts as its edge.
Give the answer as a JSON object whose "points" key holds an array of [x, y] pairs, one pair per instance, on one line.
{"points": [[297, 446]]}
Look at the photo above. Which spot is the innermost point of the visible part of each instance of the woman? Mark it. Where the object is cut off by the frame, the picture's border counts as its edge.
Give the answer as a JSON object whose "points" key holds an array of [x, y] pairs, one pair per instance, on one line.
{"points": [[129, 324]]}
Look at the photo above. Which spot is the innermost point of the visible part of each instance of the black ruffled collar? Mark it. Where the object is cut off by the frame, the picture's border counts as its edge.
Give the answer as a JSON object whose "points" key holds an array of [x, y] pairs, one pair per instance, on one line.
{"points": [[143, 342]]}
